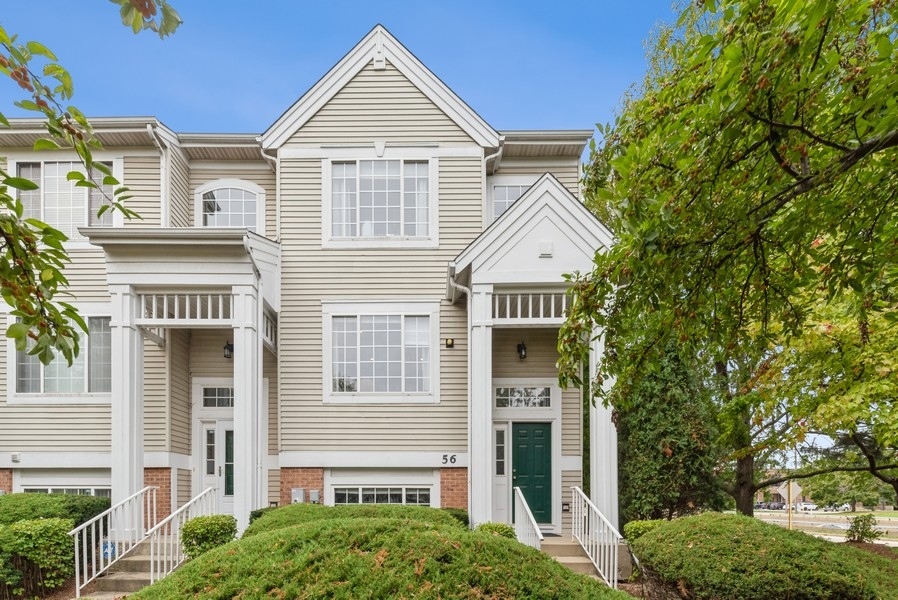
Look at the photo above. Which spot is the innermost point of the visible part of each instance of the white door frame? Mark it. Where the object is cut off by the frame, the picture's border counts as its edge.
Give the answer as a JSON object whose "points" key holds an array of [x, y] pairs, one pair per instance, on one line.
{"points": [[503, 419], [201, 417]]}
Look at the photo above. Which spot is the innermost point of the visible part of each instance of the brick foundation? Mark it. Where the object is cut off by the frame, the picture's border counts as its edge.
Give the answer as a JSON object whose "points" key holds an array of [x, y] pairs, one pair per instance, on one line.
{"points": [[161, 478], [454, 488], [6, 480], [308, 478]]}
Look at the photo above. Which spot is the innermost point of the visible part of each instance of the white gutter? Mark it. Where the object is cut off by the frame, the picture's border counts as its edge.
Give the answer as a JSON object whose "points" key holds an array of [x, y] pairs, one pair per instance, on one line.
{"points": [[164, 170], [455, 288]]}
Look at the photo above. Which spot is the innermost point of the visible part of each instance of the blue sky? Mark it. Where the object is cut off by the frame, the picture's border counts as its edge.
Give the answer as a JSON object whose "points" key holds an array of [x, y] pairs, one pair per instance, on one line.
{"points": [[235, 66]]}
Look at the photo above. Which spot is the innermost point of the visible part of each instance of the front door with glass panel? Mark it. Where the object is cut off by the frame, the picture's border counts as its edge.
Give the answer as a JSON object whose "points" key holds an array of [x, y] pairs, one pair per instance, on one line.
{"points": [[218, 462]]}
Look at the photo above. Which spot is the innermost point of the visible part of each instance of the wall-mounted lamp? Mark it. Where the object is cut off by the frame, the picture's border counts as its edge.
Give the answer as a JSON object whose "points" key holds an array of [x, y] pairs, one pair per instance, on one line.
{"points": [[228, 350], [450, 343], [522, 351]]}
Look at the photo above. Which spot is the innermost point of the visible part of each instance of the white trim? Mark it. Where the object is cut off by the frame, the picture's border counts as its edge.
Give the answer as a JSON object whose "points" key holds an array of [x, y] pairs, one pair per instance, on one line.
{"points": [[163, 460], [551, 415], [385, 477], [339, 459], [431, 240], [492, 181], [86, 310], [572, 463], [61, 478], [60, 460], [76, 241], [330, 309], [231, 166], [405, 150], [357, 59], [242, 184]]}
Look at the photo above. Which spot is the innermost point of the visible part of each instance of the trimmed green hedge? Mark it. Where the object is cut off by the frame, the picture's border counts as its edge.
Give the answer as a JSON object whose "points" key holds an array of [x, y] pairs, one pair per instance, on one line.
{"points": [[374, 558], [296, 514], [36, 556], [728, 556], [201, 534], [635, 529], [21, 507], [499, 529]]}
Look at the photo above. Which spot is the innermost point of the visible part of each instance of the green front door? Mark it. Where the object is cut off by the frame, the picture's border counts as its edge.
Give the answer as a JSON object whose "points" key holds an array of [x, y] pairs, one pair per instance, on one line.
{"points": [[532, 466]]}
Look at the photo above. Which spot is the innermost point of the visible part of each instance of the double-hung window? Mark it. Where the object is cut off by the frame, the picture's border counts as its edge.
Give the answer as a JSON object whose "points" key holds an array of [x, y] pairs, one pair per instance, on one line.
{"points": [[380, 201], [59, 202], [90, 372], [381, 355]]}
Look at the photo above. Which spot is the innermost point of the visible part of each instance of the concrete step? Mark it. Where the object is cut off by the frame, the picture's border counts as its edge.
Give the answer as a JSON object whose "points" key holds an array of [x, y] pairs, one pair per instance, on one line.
{"points": [[578, 564], [105, 596], [123, 582], [139, 563], [561, 546]]}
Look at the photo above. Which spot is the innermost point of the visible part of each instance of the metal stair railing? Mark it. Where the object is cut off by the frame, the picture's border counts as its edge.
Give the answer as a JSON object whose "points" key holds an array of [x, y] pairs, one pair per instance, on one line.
{"points": [[165, 538], [525, 527], [598, 537]]}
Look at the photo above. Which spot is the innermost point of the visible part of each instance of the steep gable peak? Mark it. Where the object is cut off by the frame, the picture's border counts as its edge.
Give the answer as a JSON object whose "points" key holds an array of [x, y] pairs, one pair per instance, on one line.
{"points": [[377, 48]]}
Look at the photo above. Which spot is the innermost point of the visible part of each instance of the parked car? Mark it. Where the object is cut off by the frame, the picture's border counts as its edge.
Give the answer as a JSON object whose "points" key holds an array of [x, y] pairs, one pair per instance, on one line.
{"points": [[776, 505], [807, 506]]}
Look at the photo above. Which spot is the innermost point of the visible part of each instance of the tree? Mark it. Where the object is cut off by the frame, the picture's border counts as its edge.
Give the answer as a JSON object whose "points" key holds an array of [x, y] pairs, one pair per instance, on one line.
{"points": [[668, 454], [32, 255]]}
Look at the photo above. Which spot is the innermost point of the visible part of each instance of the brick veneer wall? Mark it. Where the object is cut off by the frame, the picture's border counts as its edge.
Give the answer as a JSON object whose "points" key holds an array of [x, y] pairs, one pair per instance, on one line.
{"points": [[454, 488], [308, 478], [6, 480], [161, 478]]}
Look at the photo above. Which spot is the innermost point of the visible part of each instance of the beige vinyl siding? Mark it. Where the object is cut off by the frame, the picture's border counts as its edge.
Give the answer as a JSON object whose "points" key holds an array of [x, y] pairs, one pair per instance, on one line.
{"points": [[207, 353], [379, 105], [274, 485], [185, 484], [178, 341], [270, 372], [260, 174], [142, 177], [310, 275], [155, 398], [87, 275], [569, 479], [180, 197], [567, 171]]}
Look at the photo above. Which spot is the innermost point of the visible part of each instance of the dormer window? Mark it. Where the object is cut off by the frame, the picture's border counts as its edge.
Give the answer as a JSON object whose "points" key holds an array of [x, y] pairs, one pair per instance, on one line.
{"points": [[230, 203]]}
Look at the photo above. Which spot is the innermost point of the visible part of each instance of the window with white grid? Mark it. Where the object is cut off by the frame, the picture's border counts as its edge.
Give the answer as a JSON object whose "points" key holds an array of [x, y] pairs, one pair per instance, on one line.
{"points": [[89, 373], [218, 397], [383, 355], [229, 207], [59, 202], [380, 199], [504, 196], [419, 496]]}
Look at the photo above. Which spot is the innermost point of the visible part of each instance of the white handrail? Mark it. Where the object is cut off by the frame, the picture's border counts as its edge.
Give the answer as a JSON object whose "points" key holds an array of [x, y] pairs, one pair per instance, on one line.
{"points": [[598, 537], [525, 529], [165, 538], [105, 539]]}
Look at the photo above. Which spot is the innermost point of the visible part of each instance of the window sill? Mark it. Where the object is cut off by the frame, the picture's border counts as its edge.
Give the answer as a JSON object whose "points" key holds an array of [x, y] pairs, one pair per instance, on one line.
{"points": [[385, 242], [60, 399]]}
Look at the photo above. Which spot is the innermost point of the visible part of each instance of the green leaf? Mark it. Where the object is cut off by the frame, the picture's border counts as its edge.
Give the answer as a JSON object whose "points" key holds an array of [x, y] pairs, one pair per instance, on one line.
{"points": [[75, 176], [41, 50], [20, 183], [45, 144], [47, 275]]}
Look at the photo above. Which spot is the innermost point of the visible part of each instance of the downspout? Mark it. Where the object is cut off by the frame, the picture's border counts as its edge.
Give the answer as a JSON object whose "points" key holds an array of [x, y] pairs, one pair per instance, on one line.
{"points": [[164, 170], [274, 163], [454, 288], [483, 191]]}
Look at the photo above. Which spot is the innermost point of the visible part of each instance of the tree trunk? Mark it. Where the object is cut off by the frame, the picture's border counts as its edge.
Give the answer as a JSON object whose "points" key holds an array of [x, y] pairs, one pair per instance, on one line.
{"points": [[745, 485]]}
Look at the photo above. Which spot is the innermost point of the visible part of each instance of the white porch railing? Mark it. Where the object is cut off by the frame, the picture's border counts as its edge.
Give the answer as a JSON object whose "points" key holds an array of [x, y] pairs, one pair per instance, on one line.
{"points": [[599, 538], [525, 527], [182, 309], [527, 308], [165, 538], [105, 539]]}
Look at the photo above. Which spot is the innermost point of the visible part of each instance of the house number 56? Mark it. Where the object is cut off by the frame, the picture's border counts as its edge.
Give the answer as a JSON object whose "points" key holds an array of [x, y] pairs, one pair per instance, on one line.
{"points": [[449, 459]]}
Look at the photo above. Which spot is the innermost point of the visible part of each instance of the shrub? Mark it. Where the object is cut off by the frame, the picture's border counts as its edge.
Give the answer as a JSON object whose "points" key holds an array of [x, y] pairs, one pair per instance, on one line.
{"points": [[374, 558], [296, 514], [255, 514], [635, 529], [35, 556], [862, 528], [201, 534], [498, 529], [728, 556], [21, 507], [460, 514]]}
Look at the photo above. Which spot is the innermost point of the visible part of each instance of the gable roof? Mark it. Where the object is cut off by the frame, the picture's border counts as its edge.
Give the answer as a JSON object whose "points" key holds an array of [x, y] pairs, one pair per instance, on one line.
{"points": [[379, 46], [547, 213]]}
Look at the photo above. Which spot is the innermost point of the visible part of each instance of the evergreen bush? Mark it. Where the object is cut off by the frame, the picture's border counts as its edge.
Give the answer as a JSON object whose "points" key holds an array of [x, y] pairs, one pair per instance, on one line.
{"points": [[201, 534], [498, 529], [862, 528]]}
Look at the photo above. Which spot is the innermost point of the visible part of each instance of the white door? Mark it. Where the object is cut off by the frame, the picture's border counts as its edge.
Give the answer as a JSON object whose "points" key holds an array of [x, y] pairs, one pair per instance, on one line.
{"points": [[218, 461]]}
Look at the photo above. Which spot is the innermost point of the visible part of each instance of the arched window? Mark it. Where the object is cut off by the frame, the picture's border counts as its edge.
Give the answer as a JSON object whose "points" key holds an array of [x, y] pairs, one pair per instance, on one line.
{"points": [[230, 203]]}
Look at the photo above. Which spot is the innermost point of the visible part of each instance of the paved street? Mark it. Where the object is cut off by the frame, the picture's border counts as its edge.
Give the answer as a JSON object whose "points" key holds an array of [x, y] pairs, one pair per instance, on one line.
{"points": [[831, 526]]}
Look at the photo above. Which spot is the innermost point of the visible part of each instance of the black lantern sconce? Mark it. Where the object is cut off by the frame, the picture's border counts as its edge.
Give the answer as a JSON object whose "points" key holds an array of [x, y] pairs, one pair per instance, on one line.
{"points": [[228, 350], [522, 351]]}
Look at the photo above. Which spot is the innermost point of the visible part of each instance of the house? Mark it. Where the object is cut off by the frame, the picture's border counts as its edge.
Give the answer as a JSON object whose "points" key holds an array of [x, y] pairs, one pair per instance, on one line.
{"points": [[361, 304]]}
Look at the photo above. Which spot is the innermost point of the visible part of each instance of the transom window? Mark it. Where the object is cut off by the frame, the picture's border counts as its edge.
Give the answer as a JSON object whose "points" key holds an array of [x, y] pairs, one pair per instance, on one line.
{"points": [[380, 198], [381, 353], [91, 371], [419, 496], [71, 491], [523, 397], [218, 397], [230, 207], [59, 202], [504, 196]]}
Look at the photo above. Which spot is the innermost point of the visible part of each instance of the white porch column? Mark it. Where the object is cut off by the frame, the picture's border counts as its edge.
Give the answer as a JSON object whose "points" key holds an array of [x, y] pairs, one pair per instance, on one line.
{"points": [[247, 393], [480, 425], [602, 447], [127, 395]]}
